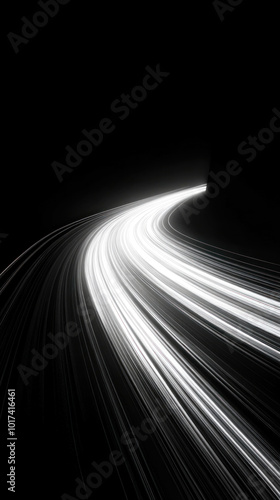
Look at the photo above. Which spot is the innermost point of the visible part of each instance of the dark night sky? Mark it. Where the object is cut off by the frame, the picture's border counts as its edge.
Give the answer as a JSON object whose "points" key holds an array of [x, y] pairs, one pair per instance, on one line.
{"points": [[222, 86]]}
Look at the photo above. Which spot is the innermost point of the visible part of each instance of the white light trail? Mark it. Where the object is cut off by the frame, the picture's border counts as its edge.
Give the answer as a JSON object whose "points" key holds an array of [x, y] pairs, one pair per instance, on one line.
{"points": [[145, 271]]}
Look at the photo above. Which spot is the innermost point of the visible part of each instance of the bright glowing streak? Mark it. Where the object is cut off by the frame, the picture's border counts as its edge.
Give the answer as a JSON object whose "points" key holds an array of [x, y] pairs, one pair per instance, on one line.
{"points": [[137, 264]]}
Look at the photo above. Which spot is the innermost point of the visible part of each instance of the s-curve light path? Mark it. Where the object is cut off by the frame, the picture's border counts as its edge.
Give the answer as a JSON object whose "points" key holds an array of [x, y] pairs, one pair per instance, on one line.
{"points": [[154, 281]]}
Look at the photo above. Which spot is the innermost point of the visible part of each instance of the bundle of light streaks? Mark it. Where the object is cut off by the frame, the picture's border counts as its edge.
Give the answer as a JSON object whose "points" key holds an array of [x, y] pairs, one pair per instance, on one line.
{"points": [[137, 270]]}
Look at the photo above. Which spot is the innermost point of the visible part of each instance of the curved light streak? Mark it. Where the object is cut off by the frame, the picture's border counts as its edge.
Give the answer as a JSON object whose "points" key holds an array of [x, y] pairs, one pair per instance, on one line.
{"points": [[136, 269], [171, 311]]}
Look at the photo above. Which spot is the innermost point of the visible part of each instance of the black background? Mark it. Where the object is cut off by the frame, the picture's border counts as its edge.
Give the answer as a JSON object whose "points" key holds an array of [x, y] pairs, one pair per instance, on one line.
{"points": [[223, 84], [222, 87]]}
